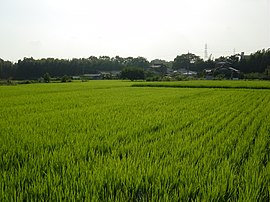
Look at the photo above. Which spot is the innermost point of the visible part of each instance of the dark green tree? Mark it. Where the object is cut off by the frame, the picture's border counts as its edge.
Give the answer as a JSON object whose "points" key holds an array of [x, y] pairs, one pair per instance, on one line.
{"points": [[267, 72], [47, 77], [187, 61], [7, 69], [168, 64], [132, 73], [65, 78]]}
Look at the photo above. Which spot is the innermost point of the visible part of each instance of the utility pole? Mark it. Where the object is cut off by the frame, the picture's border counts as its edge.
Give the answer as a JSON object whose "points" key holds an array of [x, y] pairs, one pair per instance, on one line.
{"points": [[205, 52]]}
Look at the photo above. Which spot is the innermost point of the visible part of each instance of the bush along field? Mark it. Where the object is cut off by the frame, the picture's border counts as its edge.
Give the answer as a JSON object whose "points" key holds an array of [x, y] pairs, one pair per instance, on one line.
{"points": [[107, 141]]}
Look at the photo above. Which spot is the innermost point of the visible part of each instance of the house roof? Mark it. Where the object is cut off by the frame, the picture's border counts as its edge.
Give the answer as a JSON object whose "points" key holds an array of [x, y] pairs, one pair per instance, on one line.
{"points": [[156, 65], [233, 69], [91, 75]]}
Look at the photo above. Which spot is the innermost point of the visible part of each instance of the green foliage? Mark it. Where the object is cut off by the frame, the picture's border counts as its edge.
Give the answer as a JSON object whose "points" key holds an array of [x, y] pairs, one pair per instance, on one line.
{"points": [[168, 64], [65, 78], [258, 61], [180, 77], [105, 141], [153, 78], [47, 78], [208, 84], [221, 76], [10, 82], [32, 69], [188, 61], [132, 73], [7, 69], [267, 72], [255, 75], [27, 82]]}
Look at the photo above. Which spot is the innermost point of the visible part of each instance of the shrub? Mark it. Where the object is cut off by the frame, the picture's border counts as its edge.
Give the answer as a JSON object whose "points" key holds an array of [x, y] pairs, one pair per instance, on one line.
{"points": [[65, 78]]}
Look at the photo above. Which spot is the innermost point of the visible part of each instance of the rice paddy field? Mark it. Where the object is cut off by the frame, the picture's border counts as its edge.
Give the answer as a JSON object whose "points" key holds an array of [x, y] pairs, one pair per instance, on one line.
{"points": [[109, 141]]}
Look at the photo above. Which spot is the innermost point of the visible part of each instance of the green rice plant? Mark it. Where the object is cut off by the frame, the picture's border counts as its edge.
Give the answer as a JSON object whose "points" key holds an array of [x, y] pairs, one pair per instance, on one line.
{"points": [[106, 141], [238, 84]]}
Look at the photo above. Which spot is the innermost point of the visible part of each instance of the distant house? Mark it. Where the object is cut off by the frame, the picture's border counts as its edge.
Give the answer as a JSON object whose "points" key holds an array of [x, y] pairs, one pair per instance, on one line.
{"points": [[115, 73], [158, 68], [208, 74], [76, 77], [186, 72], [224, 70], [91, 76], [170, 71], [111, 74], [244, 57]]}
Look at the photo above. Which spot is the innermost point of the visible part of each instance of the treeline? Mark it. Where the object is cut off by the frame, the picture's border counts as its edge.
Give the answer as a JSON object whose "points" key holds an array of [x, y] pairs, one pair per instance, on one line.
{"points": [[30, 68], [257, 62]]}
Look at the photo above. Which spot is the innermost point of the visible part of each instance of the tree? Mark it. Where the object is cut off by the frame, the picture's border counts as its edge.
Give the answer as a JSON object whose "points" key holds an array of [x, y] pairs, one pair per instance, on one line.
{"points": [[65, 78], [187, 61], [168, 64], [30, 68], [140, 62], [267, 71], [7, 69], [132, 73], [47, 77]]}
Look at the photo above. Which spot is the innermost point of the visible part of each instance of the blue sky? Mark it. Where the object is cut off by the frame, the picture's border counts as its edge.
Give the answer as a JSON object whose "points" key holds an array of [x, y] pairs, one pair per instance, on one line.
{"points": [[148, 28]]}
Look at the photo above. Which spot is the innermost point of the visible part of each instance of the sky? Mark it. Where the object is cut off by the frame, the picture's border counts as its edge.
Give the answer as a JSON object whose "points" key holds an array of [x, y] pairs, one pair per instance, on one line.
{"points": [[152, 29]]}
